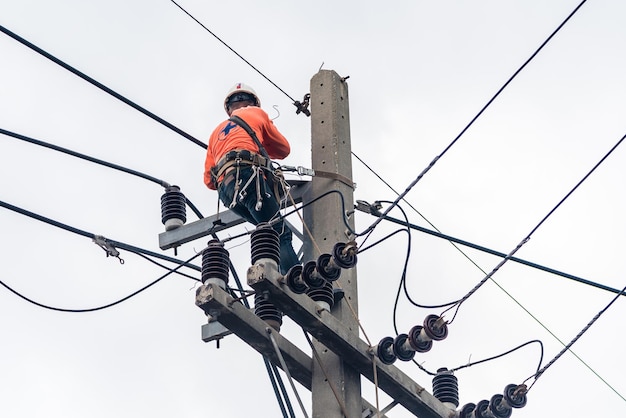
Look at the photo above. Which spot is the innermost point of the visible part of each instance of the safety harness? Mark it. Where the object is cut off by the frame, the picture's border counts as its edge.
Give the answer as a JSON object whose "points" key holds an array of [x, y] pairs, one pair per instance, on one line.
{"points": [[258, 163]]}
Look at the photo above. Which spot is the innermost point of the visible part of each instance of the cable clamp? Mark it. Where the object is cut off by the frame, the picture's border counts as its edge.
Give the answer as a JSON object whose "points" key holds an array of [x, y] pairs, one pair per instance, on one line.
{"points": [[107, 247], [303, 107]]}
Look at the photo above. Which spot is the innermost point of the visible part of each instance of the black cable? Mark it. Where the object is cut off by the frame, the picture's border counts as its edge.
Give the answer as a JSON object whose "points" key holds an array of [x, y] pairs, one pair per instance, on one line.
{"points": [[434, 161], [500, 254], [24, 138], [85, 157], [402, 284], [102, 87], [232, 50], [145, 257], [77, 231], [99, 308], [474, 363], [527, 238], [540, 372]]}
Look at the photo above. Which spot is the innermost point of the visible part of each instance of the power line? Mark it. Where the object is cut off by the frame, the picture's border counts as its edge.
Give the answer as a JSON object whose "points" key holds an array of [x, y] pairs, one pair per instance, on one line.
{"points": [[576, 338], [434, 161], [99, 308], [301, 106], [116, 244], [492, 252], [123, 169], [102, 87], [527, 238]]}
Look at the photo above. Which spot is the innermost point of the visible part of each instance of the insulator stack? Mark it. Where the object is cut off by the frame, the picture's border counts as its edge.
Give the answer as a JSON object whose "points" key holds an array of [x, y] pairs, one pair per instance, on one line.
{"points": [[264, 243], [323, 295], [384, 351], [446, 388], [500, 405], [215, 264], [266, 310], [173, 208]]}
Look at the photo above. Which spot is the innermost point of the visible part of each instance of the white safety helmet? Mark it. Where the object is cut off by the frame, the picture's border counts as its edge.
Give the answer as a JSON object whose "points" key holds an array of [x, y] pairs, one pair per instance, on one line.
{"points": [[240, 92]]}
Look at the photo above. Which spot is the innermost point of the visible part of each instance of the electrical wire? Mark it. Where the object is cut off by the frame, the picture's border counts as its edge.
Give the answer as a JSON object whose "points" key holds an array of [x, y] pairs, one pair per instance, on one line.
{"points": [[102, 87], [499, 254], [474, 363], [77, 231], [527, 238], [540, 372], [456, 139], [85, 157], [232, 50], [99, 308]]}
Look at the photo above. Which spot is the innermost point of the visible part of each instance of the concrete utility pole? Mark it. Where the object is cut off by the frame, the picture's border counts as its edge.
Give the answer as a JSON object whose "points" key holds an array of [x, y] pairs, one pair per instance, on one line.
{"points": [[331, 156], [332, 372]]}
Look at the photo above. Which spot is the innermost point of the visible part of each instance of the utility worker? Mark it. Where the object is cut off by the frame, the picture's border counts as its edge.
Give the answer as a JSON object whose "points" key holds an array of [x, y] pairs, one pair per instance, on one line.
{"points": [[238, 165]]}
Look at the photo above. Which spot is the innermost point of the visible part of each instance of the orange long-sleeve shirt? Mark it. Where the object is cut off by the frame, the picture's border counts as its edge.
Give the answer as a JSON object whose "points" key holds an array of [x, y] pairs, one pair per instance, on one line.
{"points": [[229, 136]]}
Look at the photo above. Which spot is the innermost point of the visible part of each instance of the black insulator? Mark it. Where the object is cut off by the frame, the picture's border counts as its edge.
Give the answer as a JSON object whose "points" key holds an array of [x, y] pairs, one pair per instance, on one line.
{"points": [[446, 387], [295, 281], [327, 269], [323, 294], [344, 259], [173, 208], [264, 243], [435, 327], [311, 277], [215, 262], [466, 411], [384, 351], [499, 408], [419, 340], [402, 348], [265, 309], [515, 395], [482, 410]]}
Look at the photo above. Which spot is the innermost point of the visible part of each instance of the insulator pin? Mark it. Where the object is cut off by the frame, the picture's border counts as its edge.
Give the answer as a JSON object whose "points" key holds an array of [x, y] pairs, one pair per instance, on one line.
{"points": [[323, 296], [265, 309], [264, 243], [173, 208], [446, 388], [215, 264]]}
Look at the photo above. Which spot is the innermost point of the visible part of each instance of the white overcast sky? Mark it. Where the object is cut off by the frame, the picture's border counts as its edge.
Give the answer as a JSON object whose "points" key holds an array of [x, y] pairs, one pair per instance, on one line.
{"points": [[419, 72]]}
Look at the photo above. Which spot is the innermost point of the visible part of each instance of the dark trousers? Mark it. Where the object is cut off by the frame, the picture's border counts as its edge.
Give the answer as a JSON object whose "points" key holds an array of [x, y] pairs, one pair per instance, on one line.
{"points": [[269, 210]]}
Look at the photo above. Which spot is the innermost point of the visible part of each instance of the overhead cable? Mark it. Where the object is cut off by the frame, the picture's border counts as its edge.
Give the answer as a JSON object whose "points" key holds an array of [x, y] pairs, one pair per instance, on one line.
{"points": [[78, 231], [576, 338], [160, 182], [102, 87], [99, 308], [434, 161], [450, 238], [231, 49], [527, 238]]}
